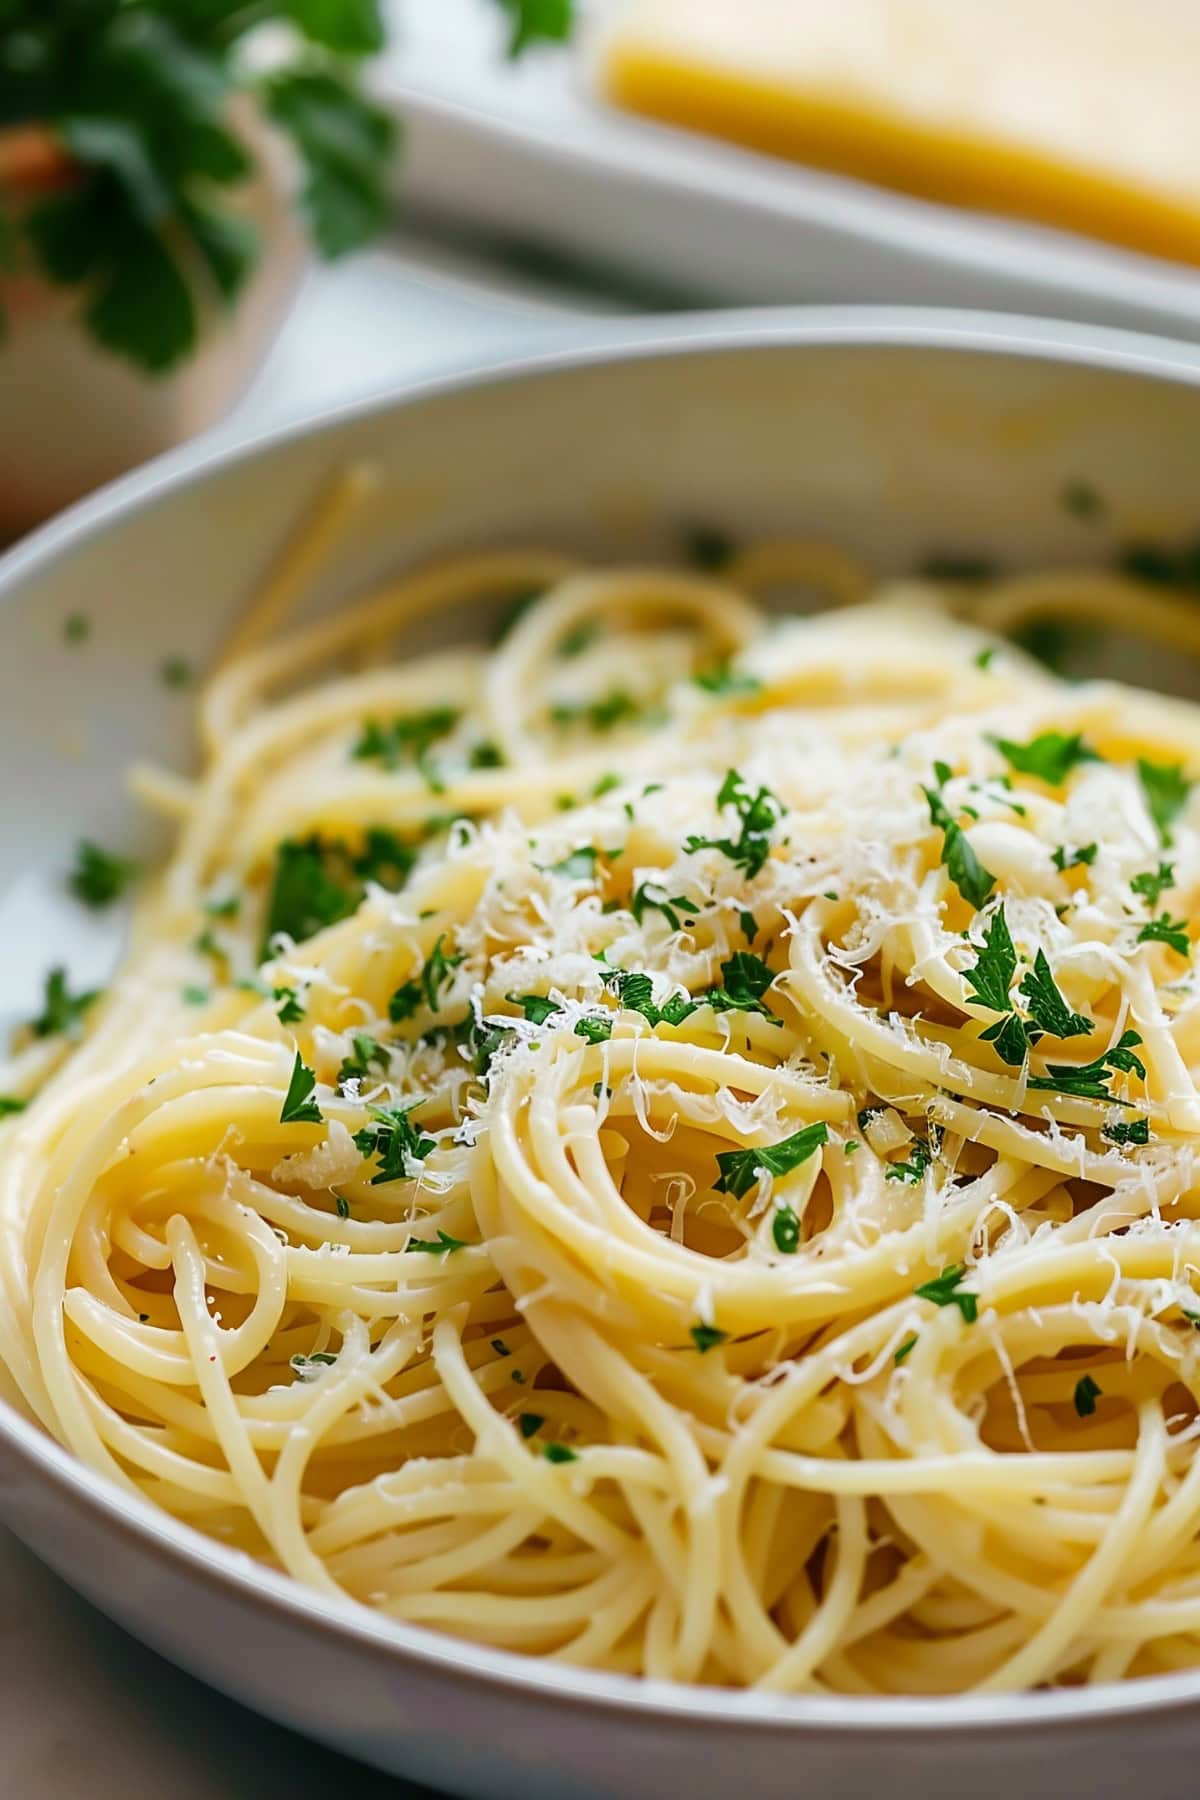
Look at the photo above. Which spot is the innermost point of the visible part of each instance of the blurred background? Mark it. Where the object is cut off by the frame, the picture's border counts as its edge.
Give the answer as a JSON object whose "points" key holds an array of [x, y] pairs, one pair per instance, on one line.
{"points": [[216, 215]]}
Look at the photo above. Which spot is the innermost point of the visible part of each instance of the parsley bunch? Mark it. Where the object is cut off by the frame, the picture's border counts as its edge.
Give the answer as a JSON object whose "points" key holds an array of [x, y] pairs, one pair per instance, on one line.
{"points": [[139, 93]]}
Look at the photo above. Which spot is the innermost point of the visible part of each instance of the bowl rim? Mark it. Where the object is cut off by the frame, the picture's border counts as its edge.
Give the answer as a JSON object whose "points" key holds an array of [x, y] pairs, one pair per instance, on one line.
{"points": [[941, 330]]}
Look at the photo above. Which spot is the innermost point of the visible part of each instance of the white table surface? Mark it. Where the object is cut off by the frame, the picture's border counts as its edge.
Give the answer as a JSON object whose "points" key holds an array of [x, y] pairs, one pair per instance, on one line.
{"points": [[84, 1710]]}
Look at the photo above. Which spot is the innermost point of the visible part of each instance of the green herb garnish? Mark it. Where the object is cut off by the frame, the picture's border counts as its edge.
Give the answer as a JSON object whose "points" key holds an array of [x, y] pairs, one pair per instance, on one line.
{"points": [[1165, 788], [759, 814], [176, 672], [580, 865], [530, 1424], [650, 897], [1087, 1392], [367, 1054], [559, 1453], [1090, 1081], [964, 868], [98, 877], [62, 1011], [740, 1169], [536, 1007], [299, 1107], [291, 1007], [1166, 930], [394, 1139], [785, 1230], [1127, 1131], [1050, 756], [724, 680], [944, 1290], [1150, 885], [905, 1349], [442, 1245], [537, 22], [707, 1337], [1049, 1012], [1064, 859], [408, 738]]}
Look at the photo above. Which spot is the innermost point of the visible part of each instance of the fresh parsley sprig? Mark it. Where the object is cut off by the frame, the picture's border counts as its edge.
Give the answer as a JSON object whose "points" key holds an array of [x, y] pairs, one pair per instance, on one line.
{"points": [[740, 1169], [1091, 1081], [963, 866], [758, 813], [1050, 756]]}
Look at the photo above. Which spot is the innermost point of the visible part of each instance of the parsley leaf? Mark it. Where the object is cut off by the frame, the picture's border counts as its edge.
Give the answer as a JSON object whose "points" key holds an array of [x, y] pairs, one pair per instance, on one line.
{"points": [[291, 1007], [944, 1290], [62, 1011], [580, 865], [394, 1139], [1166, 930], [1087, 1392], [746, 979], [650, 897], [1165, 789], [1048, 1010], [559, 1453], [1127, 1131], [99, 878], [759, 814], [905, 1349], [529, 1424], [1151, 885], [724, 679], [1089, 1081], [306, 895], [785, 1230], [437, 973], [964, 868], [995, 965], [707, 1337], [920, 1157], [408, 738], [536, 1007], [1050, 756], [442, 1245], [1064, 859], [367, 1054], [740, 1169], [603, 714], [299, 1107], [596, 1031], [537, 22], [345, 149]]}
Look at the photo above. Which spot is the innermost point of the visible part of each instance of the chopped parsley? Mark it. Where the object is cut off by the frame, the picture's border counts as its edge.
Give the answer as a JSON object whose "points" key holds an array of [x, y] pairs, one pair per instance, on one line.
{"points": [[580, 638], [342, 1205], [740, 1169], [920, 1157], [580, 865], [367, 1054], [982, 659], [307, 893], [1087, 1392], [437, 972], [1165, 789], [1150, 885], [707, 1337], [759, 813], [394, 1139], [299, 1107], [485, 755], [596, 1031], [905, 1349], [98, 877], [1127, 1131], [749, 925], [195, 996], [62, 1011], [515, 612], [227, 907], [724, 679], [649, 897], [442, 1245], [290, 1007], [9, 1104], [611, 709], [559, 1453], [1166, 930], [1049, 1012], [964, 868], [176, 672], [1090, 1081], [536, 1007], [605, 785], [318, 1360], [1064, 859], [408, 738], [530, 1424], [1050, 756], [785, 1229], [944, 1290]]}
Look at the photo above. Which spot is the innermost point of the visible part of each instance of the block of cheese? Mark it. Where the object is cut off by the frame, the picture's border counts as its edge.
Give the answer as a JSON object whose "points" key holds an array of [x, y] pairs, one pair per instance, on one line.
{"points": [[1078, 113]]}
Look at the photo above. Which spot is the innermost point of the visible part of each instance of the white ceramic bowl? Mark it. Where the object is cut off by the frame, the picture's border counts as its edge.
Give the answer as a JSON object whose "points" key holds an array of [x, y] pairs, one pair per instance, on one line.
{"points": [[895, 433]]}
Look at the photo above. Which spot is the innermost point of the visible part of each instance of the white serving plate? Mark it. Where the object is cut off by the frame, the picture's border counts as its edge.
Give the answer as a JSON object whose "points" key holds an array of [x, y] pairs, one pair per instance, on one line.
{"points": [[891, 432], [530, 154]]}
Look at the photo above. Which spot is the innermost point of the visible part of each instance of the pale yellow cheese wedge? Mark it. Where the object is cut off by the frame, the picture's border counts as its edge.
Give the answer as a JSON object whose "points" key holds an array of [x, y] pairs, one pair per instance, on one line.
{"points": [[1080, 113]]}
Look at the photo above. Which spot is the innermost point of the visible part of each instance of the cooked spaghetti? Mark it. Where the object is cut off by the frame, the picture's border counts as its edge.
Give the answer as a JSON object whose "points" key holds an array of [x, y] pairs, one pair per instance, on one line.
{"points": [[666, 1144]]}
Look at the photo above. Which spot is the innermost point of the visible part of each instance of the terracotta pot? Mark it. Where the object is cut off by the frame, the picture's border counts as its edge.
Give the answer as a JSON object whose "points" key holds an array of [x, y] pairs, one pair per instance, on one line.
{"points": [[73, 415]]}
